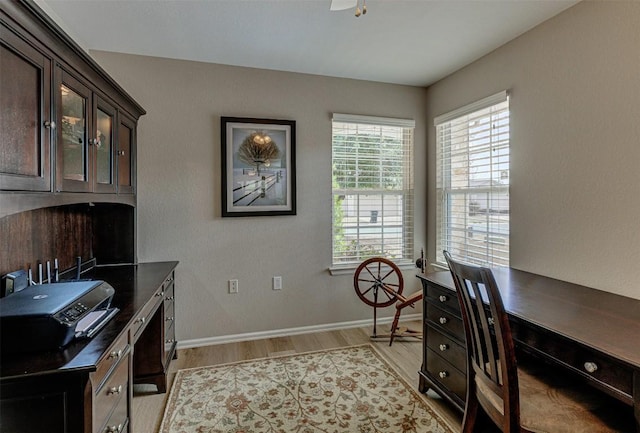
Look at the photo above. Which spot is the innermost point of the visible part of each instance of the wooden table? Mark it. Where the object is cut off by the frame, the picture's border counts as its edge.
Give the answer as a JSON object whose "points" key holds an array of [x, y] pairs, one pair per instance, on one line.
{"points": [[592, 333]]}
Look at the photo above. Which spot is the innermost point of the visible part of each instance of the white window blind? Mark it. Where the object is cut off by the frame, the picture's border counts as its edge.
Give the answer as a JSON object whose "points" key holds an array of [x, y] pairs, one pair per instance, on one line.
{"points": [[372, 188], [472, 182]]}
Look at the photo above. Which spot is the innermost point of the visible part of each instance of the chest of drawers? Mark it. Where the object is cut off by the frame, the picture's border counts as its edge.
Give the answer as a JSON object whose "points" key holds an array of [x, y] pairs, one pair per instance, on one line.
{"points": [[444, 352]]}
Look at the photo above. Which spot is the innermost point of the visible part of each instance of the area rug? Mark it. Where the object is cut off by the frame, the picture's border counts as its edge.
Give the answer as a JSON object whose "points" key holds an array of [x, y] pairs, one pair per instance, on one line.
{"points": [[352, 389]]}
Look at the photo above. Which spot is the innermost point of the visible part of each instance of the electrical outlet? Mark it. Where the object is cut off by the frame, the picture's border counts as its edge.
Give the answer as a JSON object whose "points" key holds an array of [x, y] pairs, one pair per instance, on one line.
{"points": [[233, 286], [277, 283]]}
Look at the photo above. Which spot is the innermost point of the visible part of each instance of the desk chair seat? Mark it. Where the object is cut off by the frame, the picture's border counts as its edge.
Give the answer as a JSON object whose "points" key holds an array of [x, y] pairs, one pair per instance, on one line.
{"points": [[526, 396]]}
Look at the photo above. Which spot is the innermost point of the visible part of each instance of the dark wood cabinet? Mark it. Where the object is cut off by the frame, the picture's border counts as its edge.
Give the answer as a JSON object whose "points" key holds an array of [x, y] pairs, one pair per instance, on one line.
{"points": [[444, 351], [126, 155], [25, 114], [67, 190], [87, 137], [67, 126]]}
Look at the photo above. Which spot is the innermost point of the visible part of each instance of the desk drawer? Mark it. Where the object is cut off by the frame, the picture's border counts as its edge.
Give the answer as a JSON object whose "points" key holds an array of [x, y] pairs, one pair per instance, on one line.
{"points": [[447, 348], [445, 320], [114, 391], [118, 420], [610, 375], [446, 375], [116, 352], [146, 313], [443, 298]]}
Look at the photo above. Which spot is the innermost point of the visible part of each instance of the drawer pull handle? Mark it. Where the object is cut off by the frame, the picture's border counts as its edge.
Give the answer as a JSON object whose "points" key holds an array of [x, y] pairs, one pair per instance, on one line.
{"points": [[444, 347], [169, 298], [49, 124], [115, 354], [115, 390], [114, 428], [141, 320], [491, 321], [170, 341], [443, 374], [169, 319], [159, 294], [591, 367], [443, 320], [443, 298]]}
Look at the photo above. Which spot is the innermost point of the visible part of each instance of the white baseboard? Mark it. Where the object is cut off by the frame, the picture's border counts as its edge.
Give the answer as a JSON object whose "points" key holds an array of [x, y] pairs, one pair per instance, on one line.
{"points": [[199, 342]]}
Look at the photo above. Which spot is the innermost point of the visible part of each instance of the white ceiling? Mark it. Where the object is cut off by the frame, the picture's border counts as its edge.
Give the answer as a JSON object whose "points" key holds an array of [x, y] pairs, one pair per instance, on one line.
{"points": [[414, 42]]}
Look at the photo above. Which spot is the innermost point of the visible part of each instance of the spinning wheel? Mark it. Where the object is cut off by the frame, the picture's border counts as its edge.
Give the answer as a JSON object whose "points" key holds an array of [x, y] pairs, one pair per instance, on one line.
{"points": [[378, 282]]}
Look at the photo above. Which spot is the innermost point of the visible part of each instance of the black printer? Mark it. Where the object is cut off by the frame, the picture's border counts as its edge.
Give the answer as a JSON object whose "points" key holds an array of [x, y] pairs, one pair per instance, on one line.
{"points": [[49, 316]]}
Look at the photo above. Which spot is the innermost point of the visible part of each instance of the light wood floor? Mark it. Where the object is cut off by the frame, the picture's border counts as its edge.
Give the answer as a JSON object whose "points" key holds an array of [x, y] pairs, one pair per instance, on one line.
{"points": [[405, 355]]}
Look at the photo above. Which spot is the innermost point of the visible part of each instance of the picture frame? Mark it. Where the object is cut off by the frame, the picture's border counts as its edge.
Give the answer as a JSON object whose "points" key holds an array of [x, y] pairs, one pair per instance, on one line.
{"points": [[258, 167]]}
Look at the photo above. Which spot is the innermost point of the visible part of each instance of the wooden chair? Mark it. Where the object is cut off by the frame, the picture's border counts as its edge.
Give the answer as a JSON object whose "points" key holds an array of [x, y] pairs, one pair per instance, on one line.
{"points": [[517, 398]]}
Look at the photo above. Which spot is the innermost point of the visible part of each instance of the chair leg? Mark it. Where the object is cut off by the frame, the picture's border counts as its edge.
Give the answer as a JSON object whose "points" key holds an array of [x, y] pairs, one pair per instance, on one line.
{"points": [[470, 415]]}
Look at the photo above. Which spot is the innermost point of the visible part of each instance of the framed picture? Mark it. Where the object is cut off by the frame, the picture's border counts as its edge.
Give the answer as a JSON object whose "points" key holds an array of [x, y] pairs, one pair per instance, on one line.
{"points": [[258, 167]]}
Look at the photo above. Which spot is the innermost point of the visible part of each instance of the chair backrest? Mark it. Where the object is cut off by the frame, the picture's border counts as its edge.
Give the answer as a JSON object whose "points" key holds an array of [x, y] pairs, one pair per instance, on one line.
{"points": [[492, 370]]}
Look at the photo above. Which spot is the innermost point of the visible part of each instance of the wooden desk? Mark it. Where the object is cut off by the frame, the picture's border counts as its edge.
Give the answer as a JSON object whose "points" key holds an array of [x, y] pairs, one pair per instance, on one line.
{"points": [[591, 333], [87, 386]]}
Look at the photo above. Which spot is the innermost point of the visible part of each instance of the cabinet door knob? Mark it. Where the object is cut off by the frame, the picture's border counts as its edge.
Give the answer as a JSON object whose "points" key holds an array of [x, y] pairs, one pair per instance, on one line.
{"points": [[169, 319], [121, 153], [444, 347], [115, 354], [141, 320], [169, 298], [443, 298], [49, 124], [114, 428], [591, 367], [443, 320], [443, 374]]}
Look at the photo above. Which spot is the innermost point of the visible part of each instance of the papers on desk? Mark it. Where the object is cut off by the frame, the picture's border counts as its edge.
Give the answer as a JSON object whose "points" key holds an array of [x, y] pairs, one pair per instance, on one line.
{"points": [[89, 325]]}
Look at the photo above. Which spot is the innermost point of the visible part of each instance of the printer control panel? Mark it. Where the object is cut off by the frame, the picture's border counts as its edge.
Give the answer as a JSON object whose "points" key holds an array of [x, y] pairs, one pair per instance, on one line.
{"points": [[72, 313]]}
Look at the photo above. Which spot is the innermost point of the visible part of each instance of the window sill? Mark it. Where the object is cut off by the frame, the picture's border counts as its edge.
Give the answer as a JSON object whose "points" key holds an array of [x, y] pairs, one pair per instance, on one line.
{"points": [[350, 268]]}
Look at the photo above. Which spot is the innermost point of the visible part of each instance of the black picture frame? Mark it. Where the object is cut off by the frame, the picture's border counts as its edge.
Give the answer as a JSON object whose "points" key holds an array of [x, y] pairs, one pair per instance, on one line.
{"points": [[258, 166]]}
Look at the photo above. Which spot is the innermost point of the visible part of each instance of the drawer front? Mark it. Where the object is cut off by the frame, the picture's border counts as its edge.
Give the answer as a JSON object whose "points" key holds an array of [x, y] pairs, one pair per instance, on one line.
{"points": [[118, 420], [606, 372], [443, 298], [112, 393], [118, 350], [146, 313], [446, 321], [446, 375], [447, 348]]}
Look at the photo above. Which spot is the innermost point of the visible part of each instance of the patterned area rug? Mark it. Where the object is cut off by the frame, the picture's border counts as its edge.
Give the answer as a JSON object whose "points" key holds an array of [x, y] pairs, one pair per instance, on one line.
{"points": [[350, 389]]}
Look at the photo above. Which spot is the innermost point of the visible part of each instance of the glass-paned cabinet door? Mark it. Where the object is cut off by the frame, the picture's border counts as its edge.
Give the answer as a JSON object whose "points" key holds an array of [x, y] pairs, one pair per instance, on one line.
{"points": [[104, 146], [74, 110]]}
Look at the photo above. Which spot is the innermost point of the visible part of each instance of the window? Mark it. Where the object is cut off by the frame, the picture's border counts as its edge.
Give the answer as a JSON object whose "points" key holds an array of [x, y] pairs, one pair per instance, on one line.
{"points": [[372, 189], [472, 182]]}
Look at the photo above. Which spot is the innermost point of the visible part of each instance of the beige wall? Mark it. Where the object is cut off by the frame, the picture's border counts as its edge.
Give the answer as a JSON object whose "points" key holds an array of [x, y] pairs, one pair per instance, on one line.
{"points": [[575, 143], [179, 191]]}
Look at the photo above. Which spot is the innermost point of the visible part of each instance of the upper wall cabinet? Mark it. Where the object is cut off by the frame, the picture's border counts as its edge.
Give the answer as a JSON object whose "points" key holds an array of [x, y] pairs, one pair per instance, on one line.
{"points": [[65, 125], [25, 115]]}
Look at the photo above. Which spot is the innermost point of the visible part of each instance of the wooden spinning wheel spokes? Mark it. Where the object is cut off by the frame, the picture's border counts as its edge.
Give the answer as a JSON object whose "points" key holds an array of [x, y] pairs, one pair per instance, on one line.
{"points": [[378, 282]]}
